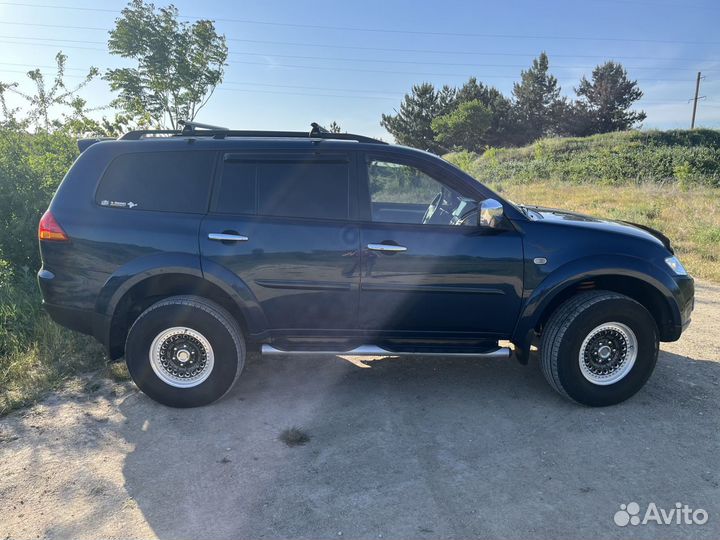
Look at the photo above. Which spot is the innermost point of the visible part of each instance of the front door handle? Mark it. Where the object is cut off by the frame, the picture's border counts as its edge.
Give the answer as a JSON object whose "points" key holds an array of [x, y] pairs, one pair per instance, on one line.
{"points": [[225, 237], [388, 248]]}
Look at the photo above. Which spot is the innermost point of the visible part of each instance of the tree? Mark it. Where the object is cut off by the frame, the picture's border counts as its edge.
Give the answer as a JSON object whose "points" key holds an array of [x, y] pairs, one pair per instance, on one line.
{"points": [[608, 98], [179, 65], [51, 107], [498, 132], [465, 127], [334, 127], [536, 97], [412, 125]]}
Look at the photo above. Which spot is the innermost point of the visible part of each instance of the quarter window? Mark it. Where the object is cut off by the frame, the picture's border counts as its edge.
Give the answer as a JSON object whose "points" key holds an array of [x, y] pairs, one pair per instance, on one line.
{"points": [[160, 181]]}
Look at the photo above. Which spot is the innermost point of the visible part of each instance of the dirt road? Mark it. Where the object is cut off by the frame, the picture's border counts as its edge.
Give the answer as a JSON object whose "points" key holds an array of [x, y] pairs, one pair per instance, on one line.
{"points": [[413, 448]]}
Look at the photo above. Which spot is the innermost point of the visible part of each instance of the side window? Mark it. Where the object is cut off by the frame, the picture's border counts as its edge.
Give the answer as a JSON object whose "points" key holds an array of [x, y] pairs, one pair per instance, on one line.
{"points": [[302, 188], [237, 193], [159, 181], [404, 194]]}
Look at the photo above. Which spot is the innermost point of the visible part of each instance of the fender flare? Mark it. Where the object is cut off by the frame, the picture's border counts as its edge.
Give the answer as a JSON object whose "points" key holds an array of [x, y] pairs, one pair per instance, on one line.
{"points": [[585, 269], [138, 270]]}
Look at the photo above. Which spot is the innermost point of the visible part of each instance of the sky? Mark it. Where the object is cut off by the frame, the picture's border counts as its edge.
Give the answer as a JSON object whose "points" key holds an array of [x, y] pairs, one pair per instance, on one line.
{"points": [[296, 62]]}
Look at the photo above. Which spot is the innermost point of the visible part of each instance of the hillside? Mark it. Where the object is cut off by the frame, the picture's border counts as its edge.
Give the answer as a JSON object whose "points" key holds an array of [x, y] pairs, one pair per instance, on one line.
{"points": [[667, 180], [680, 156]]}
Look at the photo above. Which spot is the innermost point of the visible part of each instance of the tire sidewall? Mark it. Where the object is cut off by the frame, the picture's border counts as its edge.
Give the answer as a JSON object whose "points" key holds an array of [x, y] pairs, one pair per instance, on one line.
{"points": [[624, 311], [228, 354]]}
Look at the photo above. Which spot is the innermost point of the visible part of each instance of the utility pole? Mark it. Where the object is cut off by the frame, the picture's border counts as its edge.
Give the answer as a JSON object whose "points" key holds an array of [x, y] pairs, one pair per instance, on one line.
{"points": [[695, 100]]}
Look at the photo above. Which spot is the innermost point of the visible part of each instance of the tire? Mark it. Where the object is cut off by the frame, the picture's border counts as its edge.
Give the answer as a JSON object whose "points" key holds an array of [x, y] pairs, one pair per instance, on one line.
{"points": [[586, 348], [185, 351]]}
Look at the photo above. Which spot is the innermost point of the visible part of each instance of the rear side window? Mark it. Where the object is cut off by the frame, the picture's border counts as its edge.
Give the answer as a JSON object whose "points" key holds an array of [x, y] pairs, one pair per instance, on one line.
{"points": [[303, 188], [160, 181]]}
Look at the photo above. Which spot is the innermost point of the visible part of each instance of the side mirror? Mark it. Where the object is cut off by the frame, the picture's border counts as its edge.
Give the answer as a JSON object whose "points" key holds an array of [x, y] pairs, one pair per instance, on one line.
{"points": [[490, 214]]}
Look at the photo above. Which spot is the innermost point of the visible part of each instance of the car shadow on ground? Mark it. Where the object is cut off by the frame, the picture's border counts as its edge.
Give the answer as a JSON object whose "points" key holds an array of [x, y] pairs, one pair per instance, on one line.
{"points": [[424, 447]]}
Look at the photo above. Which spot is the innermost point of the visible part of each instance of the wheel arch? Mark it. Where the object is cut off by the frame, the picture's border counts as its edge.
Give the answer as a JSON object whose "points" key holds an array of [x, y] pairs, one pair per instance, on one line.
{"points": [[635, 278], [128, 293]]}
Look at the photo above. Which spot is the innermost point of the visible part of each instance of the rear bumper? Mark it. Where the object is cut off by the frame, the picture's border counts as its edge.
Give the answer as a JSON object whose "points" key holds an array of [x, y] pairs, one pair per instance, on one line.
{"points": [[79, 320]]}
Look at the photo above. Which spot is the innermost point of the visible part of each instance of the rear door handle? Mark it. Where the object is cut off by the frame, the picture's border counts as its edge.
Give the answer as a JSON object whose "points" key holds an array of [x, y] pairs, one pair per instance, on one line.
{"points": [[225, 237], [388, 248]]}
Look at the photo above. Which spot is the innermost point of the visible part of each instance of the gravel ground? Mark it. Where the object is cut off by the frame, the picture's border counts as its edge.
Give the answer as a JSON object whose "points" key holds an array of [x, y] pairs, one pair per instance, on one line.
{"points": [[412, 448]]}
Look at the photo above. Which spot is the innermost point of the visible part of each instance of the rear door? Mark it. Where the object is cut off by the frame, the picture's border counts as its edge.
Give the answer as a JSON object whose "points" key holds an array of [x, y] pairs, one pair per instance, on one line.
{"points": [[432, 278], [282, 222]]}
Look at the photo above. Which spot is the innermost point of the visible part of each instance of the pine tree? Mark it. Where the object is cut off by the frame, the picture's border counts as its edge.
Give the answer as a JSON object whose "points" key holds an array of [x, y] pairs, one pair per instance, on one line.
{"points": [[412, 124], [536, 98], [608, 98]]}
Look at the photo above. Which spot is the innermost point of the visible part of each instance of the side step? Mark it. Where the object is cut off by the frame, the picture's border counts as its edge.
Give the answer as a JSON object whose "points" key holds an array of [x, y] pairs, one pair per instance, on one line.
{"points": [[374, 350]]}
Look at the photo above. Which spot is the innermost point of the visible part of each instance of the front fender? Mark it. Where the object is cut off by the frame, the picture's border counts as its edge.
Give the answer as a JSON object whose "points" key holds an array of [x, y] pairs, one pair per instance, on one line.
{"points": [[585, 269]]}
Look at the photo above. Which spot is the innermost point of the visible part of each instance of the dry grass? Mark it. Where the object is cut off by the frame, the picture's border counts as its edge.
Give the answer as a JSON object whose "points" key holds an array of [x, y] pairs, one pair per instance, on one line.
{"points": [[294, 436], [689, 217], [55, 355]]}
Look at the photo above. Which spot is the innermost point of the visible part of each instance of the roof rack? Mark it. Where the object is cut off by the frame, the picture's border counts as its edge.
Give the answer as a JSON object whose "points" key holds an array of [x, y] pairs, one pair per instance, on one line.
{"points": [[190, 129]]}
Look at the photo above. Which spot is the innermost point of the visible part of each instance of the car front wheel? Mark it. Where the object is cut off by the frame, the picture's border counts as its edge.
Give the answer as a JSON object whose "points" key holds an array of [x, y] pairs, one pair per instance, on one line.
{"points": [[599, 348]]}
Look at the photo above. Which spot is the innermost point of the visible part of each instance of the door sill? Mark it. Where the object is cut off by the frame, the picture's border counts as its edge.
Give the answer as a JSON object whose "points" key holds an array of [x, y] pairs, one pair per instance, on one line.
{"points": [[375, 350]]}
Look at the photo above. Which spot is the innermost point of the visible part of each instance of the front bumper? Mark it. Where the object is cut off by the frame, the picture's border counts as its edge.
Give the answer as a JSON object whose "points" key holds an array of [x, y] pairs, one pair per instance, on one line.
{"points": [[685, 299]]}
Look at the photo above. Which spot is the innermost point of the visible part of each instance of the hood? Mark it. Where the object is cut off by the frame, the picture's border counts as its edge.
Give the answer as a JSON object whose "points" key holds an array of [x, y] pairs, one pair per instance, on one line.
{"points": [[563, 217]]}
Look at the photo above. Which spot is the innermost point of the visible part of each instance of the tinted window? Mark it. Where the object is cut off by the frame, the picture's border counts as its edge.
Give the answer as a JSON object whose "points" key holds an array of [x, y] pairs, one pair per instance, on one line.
{"points": [[164, 181], [306, 189], [237, 188]]}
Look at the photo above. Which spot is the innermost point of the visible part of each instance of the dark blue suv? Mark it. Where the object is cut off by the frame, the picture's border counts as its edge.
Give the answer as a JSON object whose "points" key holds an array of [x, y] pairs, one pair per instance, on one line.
{"points": [[181, 250]]}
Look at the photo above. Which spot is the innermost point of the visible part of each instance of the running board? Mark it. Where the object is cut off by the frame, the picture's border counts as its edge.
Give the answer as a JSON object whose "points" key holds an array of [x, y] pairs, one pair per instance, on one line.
{"points": [[374, 350]]}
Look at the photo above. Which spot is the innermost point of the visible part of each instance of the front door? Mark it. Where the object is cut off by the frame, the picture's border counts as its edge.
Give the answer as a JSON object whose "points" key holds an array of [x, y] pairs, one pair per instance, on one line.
{"points": [[429, 270], [281, 223]]}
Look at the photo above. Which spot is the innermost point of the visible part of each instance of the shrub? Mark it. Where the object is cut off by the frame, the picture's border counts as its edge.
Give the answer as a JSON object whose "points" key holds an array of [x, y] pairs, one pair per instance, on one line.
{"points": [[31, 168], [685, 157]]}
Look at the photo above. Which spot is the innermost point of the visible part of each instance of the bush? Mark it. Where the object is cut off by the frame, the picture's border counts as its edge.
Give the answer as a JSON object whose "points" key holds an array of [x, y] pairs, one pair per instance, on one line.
{"points": [[35, 353], [686, 157], [31, 168]]}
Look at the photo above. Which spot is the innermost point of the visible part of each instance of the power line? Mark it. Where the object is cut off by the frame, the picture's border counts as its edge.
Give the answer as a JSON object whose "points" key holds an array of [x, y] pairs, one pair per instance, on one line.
{"points": [[357, 94], [371, 60], [445, 51], [420, 73], [425, 63], [59, 40], [393, 93], [366, 48], [385, 30]]}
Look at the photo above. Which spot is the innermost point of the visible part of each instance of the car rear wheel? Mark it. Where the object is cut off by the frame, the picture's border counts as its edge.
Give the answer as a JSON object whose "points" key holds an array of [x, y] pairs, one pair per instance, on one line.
{"points": [[185, 351], [599, 348]]}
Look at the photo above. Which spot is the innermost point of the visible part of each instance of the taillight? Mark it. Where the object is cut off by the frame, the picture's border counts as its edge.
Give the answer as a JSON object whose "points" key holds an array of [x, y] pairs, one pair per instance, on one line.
{"points": [[50, 229]]}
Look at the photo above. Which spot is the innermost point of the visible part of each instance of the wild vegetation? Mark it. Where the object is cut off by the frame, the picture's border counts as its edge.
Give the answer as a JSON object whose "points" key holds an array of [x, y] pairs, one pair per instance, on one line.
{"points": [[683, 158], [668, 180]]}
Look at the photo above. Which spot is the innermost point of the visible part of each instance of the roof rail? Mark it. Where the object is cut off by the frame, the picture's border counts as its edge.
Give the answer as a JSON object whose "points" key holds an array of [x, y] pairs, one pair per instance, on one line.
{"points": [[190, 127], [140, 133], [317, 132]]}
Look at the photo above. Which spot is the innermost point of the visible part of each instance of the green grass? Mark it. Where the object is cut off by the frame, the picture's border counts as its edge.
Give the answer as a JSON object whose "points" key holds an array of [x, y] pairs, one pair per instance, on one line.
{"points": [[685, 158], [36, 355]]}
